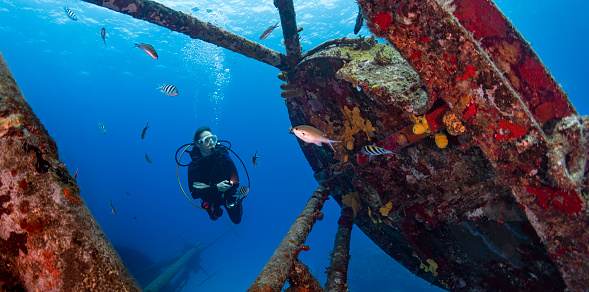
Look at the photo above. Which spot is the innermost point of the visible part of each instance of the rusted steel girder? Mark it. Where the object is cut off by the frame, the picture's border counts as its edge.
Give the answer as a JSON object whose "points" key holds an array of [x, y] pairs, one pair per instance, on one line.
{"points": [[472, 58], [301, 280], [337, 275], [49, 240], [186, 24], [277, 269], [289, 30]]}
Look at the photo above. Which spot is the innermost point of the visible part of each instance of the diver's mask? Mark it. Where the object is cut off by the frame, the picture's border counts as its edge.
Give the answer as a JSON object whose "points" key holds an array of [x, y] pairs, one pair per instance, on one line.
{"points": [[208, 140]]}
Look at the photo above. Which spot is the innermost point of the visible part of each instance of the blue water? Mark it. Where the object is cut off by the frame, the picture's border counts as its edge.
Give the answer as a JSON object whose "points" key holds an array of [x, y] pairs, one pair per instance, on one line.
{"points": [[73, 82]]}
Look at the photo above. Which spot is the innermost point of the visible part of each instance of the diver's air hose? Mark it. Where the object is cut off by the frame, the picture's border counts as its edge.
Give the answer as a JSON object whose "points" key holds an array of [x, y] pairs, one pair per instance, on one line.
{"points": [[178, 174]]}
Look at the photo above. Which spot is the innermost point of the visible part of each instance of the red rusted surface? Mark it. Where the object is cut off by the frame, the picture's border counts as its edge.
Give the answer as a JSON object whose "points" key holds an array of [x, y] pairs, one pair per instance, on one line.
{"points": [[503, 206]]}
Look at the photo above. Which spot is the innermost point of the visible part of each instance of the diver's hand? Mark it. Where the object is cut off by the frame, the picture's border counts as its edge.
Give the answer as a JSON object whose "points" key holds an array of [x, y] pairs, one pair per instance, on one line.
{"points": [[224, 186], [199, 185]]}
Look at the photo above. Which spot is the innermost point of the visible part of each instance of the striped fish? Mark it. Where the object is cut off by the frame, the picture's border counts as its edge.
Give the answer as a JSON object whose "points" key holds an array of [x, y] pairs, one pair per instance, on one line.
{"points": [[372, 150], [169, 90], [242, 192], [70, 13]]}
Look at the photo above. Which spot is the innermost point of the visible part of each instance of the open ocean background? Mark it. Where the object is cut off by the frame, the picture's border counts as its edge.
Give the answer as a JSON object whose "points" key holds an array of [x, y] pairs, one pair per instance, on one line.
{"points": [[73, 81]]}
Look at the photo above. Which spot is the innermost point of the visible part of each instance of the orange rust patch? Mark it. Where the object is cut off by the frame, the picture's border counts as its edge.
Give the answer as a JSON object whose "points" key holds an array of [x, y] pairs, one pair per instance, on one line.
{"points": [[68, 195], [50, 271]]}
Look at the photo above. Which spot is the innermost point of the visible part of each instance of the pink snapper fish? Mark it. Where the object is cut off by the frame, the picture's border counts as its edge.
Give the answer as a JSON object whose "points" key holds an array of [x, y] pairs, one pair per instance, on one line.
{"points": [[312, 135]]}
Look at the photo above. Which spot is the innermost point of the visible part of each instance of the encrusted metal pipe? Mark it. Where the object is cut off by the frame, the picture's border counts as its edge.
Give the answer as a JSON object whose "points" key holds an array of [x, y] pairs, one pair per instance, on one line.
{"points": [[277, 269], [337, 275], [186, 24]]}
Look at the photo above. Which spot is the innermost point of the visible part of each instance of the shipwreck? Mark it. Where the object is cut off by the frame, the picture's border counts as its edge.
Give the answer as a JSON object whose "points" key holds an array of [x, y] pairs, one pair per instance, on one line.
{"points": [[487, 189]]}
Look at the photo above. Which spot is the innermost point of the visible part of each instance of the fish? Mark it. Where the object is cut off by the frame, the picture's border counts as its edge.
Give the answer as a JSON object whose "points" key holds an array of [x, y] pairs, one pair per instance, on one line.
{"points": [[144, 131], [70, 13], [373, 150], [112, 208], [127, 193], [195, 9], [76, 174], [268, 31], [209, 10], [102, 128], [312, 135], [243, 191], [147, 158], [255, 159], [359, 21], [169, 90], [148, 49], [103, 35]]}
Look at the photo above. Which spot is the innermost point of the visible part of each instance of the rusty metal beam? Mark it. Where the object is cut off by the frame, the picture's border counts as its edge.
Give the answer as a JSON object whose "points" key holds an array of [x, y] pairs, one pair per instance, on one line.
{"points": [[186, 24], [49, 240], [301, 280], [288, 21], [337, 274], [277, 269]]}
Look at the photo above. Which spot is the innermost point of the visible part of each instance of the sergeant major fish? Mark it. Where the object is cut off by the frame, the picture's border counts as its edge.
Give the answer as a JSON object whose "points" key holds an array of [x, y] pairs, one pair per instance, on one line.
{"points": [[372, 150], [268, 31], [70, 13], [144, 131], [169, 90], [148, 49], [312, 135]]}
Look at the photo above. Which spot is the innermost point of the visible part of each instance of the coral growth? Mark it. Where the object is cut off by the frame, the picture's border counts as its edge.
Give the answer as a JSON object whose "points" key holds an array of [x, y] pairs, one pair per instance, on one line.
{"points": [[447, 5], [352, 200], [453, 123], [352, 125], [384, 210]]}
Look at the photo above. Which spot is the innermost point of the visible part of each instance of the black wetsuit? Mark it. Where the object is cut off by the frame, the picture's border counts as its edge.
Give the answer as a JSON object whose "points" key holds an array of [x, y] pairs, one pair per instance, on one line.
{"points": [[212, 170]]}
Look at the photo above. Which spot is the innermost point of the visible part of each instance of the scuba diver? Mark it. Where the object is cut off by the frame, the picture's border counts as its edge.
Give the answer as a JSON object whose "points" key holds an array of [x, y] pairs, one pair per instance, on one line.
{"points": [[212, 177]]}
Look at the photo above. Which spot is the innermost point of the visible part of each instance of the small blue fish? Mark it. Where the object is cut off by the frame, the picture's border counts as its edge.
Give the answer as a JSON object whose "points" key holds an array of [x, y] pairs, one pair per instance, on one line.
{"points": [[169, 90], [144, 131], [209, 10], [195, 9], [255, 159], [268, 31], [102, 128], [70, 13]]}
